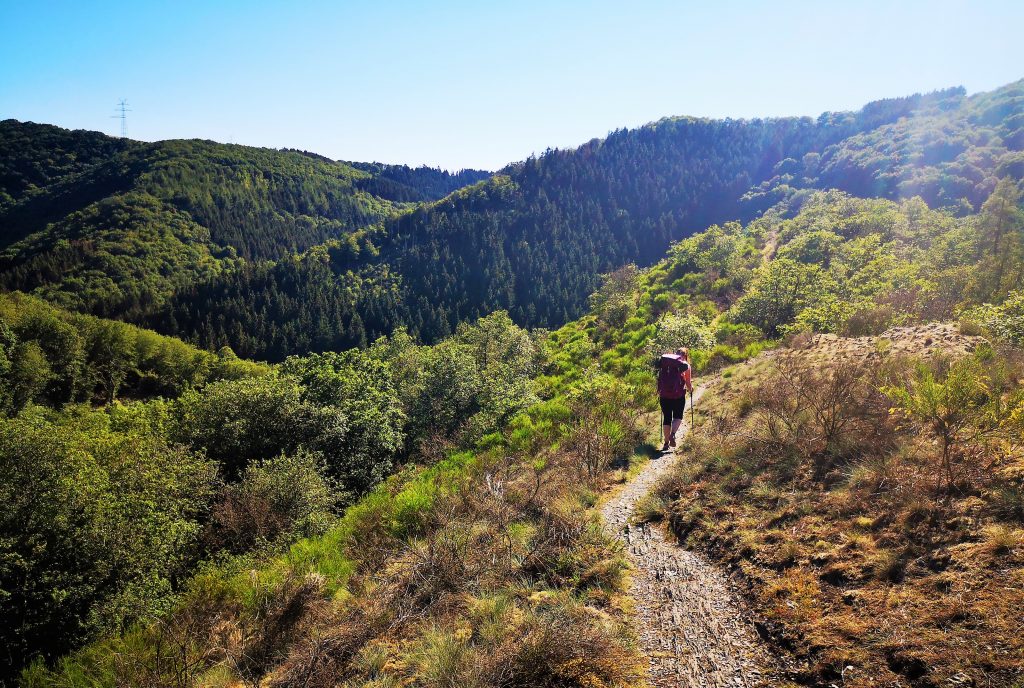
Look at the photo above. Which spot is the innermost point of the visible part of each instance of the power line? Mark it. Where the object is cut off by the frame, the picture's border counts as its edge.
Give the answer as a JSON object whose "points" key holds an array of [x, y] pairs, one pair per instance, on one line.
{"points": [[121, 109]]}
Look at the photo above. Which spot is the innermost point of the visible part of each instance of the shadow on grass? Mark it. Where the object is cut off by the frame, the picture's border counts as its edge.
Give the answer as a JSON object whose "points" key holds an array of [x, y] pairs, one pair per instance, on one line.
{"points": [[647, 450], [644, 450]]}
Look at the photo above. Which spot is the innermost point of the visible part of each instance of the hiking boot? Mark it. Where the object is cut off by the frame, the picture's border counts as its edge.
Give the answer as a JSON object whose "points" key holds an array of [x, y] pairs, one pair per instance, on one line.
{"points": [[664, 447], [672, 443]]}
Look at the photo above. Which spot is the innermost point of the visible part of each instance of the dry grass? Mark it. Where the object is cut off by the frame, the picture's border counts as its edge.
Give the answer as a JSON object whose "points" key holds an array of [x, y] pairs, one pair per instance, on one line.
{"points": [[508, 581], [801, 478], [489, 568]]}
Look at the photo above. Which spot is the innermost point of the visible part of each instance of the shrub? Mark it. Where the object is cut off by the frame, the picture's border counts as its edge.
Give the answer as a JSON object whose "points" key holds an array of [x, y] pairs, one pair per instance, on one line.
{"points": [[821, 413], [280, 498], [238, 421], [737, 335], [617, 297], [887, 565], [1004, 321], [676, 331], [563, 644], [98, 516], [949, 400], [868, 320]]}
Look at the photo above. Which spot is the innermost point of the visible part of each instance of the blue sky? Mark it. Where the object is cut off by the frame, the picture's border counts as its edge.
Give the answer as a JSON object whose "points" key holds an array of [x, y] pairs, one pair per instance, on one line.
{"points": [[478, 84]]}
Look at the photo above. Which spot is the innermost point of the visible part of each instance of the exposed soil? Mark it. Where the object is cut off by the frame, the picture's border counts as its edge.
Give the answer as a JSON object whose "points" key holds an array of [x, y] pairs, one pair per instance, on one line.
{"points": [[933, 339], [691, 621]]}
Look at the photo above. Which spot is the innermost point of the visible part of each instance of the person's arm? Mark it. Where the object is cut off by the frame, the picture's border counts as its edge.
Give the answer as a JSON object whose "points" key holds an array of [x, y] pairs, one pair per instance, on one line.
{"points": [[687, 378]]}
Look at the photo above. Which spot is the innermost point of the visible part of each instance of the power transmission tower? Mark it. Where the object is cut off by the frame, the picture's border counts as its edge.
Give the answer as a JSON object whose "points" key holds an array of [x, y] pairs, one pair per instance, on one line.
{"points": [[121, 109]]}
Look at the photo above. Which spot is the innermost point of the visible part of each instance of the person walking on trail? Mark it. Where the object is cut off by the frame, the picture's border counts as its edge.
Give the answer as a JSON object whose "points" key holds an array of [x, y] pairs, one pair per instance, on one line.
{"points": [[674, 380]]}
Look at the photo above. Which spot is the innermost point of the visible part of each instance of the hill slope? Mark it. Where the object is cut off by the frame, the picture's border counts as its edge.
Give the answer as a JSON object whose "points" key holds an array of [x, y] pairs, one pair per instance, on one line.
{"points": [[114, 227], [480, 561], [530, 240]]}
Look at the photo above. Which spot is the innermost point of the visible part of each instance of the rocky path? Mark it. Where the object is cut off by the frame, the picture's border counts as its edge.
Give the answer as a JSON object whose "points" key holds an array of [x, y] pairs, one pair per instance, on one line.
{"points": [[691, 624]]}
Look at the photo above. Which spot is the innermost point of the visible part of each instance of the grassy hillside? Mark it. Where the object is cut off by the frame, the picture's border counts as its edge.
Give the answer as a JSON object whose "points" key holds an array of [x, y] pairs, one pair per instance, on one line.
{"points": [[867, 492]]}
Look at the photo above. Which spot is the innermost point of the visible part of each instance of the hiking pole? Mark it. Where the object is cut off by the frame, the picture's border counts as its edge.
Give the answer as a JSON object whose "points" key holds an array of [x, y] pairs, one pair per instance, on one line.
{"points": [[691, 411]]}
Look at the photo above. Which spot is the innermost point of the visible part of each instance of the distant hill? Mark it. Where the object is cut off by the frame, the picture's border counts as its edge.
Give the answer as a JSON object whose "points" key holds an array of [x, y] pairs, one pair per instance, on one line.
{"points": [[114, 227], [402, 183], [277, 252]]}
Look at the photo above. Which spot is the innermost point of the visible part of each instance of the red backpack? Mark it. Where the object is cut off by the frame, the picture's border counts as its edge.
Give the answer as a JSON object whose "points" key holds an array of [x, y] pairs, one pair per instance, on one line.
{"points": [[670, 376]]}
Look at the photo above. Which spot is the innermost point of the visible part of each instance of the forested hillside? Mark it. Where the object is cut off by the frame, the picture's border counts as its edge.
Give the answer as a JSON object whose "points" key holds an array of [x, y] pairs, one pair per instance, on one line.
{"points": [[115, 227], [274, 253], [188, 464], [404, 183], [532, 239]]}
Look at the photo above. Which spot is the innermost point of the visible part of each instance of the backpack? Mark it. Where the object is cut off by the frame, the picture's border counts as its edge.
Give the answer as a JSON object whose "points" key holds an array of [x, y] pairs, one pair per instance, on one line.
{"points": [[670, 376]]}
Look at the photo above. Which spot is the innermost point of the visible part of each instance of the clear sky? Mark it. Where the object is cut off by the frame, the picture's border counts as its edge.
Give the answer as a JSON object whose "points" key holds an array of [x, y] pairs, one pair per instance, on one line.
{"points": [[479, 83]]}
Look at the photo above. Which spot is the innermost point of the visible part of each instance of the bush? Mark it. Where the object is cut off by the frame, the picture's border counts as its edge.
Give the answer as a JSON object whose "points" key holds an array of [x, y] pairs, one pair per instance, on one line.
{"points": [[1005, 321], [676, 331], [829, 414], [737, 335], [282, 498], [357, 393], [238, 421], [868, 320], [617, 297], [98, 516], [950, 401]]}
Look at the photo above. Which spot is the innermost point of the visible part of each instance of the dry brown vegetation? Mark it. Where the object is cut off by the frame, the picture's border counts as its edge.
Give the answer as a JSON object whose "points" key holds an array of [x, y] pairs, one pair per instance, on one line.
{"points": [[830, 502], [494, 573], [510, 583]]}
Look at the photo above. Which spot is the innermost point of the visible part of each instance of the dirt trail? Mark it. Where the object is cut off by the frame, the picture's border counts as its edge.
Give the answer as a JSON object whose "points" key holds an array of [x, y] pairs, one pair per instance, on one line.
{"points": [[691, 624]]}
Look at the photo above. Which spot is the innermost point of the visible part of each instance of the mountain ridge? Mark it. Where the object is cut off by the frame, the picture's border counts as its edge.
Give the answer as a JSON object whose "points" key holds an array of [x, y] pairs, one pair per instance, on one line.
{"points": [[529, 239]]}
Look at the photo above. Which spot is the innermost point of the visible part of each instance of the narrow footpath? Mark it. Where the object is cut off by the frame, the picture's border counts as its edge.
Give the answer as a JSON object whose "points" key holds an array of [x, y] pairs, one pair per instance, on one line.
{"points": [[690, 621]]}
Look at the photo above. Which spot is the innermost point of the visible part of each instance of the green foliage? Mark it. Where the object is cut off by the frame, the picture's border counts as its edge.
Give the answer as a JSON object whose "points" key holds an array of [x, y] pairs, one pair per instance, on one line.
{"points": [[98, 516], [107, 511], [361, 390], [1000, 241], [781, 290], [282, 498], [121, 256], [951, 403], [1005, 321], [402, 183], [676, 331], [616, 300], [472, 383], [55, 357], [236, 422], [327, 260], [942, 146]]}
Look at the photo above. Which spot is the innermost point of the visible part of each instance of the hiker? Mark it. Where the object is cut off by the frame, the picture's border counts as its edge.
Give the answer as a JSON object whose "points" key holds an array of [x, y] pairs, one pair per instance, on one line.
{"points": [[674, 380]]}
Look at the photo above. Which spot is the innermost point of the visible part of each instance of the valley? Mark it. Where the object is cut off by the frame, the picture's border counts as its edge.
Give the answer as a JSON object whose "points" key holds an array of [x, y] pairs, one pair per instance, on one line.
{"points": [[271, 419]]}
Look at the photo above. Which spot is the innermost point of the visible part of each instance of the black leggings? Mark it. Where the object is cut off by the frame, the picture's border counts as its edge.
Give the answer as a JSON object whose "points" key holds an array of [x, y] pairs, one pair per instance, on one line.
{"points": [[672, 408]]}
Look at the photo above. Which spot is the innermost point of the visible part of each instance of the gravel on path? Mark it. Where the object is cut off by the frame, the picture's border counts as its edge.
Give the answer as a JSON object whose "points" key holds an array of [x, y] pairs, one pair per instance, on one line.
{"points": [[691, 622]]}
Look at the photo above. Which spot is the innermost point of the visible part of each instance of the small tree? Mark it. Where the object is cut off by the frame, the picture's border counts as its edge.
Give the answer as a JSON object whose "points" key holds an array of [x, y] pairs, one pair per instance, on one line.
{"points": [[1001, 231], [675, 331], [617, 298], [951, 408], [781, 290], [1005, 321]]}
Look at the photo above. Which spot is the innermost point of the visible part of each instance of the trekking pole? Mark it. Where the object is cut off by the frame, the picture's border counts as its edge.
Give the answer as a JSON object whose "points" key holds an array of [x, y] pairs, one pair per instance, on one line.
{"points": [[691, 411]]}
